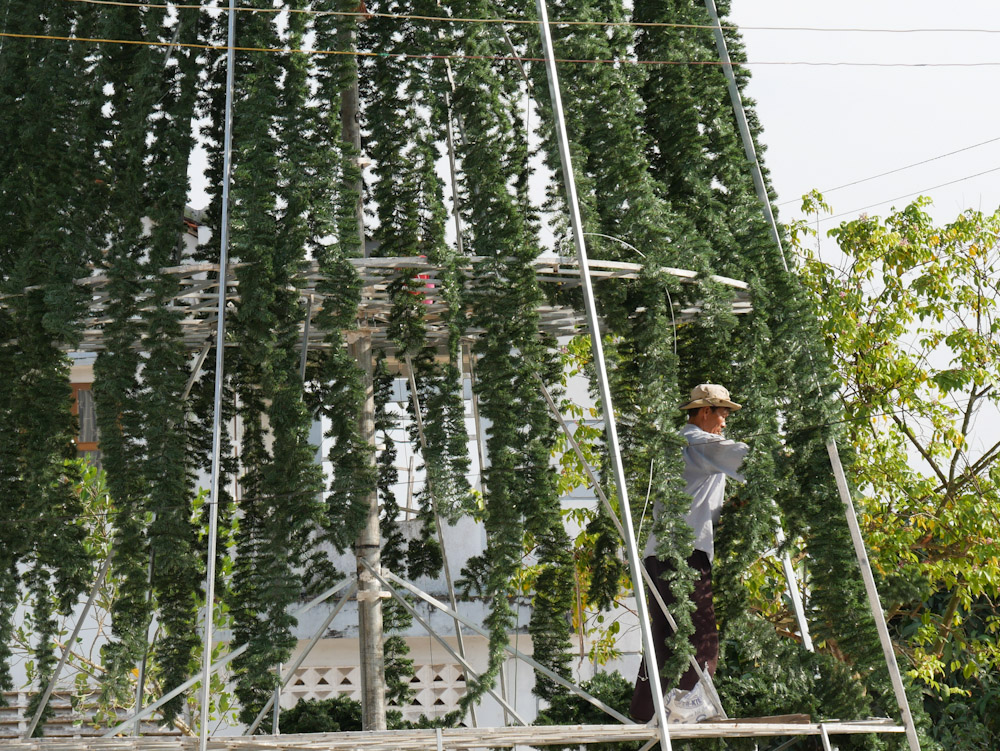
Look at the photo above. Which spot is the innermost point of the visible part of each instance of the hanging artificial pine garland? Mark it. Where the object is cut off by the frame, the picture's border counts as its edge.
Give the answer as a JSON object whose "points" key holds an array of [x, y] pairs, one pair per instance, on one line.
{"points": [[175, 555], [774, 363], [144, 450], [49, 228], [130, 74], [395, 618], [521, 502], [680, 193], [411, 216], [619, 198], [336, 391], [280, 482]]}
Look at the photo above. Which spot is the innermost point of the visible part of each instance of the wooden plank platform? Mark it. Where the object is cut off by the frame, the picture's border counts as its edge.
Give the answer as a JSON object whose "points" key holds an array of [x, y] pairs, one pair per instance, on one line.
{"points": [[197, 295], [68, 721], [455, 739]]}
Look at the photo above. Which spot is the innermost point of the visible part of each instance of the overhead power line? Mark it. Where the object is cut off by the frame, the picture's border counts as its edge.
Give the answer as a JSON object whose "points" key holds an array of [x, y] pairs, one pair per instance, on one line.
{"points": [[560, 22], [899, 169], [493, 58], [909, 195], [556, 21]]}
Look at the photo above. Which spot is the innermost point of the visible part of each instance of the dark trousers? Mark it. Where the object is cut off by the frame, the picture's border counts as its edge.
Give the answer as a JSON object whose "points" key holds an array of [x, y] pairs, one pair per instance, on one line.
{"points": [[705, 638]]}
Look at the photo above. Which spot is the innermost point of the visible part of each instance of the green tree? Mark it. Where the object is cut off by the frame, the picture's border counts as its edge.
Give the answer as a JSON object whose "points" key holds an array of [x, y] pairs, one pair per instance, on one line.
{"points": [[909, 314]]}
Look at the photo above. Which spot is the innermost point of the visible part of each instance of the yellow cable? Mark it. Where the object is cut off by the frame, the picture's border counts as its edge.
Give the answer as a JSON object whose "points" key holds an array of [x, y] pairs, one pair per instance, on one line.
{"points": [[357, 53]]}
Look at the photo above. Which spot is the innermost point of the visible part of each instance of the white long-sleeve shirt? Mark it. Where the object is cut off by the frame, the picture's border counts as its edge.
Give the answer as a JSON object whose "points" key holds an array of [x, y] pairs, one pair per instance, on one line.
{"points": [[708, 459]]}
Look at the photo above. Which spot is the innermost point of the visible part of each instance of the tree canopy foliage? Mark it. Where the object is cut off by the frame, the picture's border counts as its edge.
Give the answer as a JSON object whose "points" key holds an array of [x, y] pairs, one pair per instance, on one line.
{"points": [[909, 311]]}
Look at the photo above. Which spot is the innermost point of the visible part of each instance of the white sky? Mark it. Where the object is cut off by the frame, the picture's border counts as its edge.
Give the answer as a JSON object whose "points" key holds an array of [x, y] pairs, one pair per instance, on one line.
{"points": [[826, 126]]}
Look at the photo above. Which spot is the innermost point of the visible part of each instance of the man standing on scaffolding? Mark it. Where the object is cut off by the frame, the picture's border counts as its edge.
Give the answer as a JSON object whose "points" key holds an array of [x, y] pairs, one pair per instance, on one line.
{"points": [[708, 459]]}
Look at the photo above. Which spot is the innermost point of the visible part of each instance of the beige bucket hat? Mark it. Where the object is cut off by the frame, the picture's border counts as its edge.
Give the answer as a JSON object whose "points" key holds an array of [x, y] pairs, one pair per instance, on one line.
{"points": [[710, 395]]}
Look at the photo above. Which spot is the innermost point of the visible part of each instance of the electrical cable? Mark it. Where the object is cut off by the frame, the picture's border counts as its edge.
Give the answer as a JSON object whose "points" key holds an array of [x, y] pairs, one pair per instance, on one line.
{"points": [[898, 169], [554, 22], [908, 195], [499, 58]]}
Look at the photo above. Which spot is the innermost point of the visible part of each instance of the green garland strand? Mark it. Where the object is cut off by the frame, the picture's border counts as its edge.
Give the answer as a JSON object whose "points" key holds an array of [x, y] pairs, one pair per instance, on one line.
{"points": [[281, 483], [335, 382], [619, 198], [50, 225], [176, 560], [128, 72], [520, 495]]}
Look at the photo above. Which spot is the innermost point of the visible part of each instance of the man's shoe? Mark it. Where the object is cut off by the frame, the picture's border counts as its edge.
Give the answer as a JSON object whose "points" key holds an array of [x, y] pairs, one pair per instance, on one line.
{"points": [[689, 707]]}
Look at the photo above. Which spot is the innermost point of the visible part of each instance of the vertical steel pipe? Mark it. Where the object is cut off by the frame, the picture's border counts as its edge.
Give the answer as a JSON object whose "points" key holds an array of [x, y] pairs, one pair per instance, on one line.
{"points": [[597, 348], [220, 347], [831, 446]]}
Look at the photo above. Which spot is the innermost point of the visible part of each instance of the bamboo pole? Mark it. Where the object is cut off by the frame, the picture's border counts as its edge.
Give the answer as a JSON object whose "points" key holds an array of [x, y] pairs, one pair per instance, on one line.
{"points": [[465, 738]]}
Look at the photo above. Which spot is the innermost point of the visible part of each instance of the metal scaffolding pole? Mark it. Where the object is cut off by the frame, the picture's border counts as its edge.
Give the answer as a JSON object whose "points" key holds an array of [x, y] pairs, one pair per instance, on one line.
{"points": [[452, 599], [460, 658], [69, 646], [873, 599], [299, 659], [476, 422], [177, 690], [602, 377], [388, 575], [220, 338], [793, 588], [831, 446]]}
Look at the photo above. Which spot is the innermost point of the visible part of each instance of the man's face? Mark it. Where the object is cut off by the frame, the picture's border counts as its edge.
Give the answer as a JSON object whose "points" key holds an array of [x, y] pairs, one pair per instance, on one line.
{"points": [[712, 420]]}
